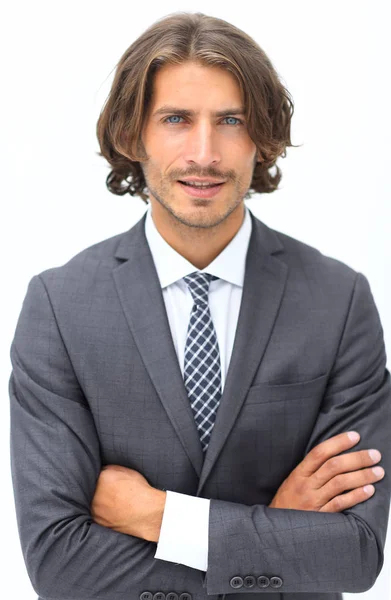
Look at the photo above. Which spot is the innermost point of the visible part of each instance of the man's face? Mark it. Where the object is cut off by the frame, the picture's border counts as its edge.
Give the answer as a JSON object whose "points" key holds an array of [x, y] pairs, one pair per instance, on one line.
{"points": [[199, 144]]}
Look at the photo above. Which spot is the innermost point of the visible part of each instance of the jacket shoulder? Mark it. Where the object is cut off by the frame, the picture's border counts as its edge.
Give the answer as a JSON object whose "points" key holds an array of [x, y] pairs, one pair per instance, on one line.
{"points": [[300, 255], [85, 264]]}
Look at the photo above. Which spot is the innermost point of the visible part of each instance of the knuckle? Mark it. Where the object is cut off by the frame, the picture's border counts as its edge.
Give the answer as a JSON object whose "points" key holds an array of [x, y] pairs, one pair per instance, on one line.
{"points": [[301, 486], [318, 453], [308, 501], [363, 477], [337, 483], [364, 459], [317, 479], [333, 465], [338, 503]]}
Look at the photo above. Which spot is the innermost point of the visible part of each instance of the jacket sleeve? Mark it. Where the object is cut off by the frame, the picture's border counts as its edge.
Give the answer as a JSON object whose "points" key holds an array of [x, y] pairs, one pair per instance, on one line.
{"points": [[55, 464], [312, 551]]}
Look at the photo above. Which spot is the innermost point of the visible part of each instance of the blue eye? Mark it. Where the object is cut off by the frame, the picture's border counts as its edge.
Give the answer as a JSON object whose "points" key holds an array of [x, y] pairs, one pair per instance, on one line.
{"points": [[167, 120], [174, 117], [235, 119]]}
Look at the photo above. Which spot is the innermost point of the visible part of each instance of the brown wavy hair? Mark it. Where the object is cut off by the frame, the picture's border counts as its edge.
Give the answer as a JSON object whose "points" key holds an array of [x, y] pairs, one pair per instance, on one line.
{"points": [[209, 41]]}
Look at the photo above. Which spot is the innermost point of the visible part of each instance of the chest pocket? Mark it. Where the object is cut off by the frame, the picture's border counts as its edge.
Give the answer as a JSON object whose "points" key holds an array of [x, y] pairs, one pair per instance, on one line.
{"points": [[286, 392], [272, 431]]}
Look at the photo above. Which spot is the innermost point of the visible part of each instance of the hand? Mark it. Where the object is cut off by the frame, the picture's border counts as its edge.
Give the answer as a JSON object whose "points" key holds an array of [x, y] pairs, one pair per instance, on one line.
{"points": [[126, 502], [319, 481]]}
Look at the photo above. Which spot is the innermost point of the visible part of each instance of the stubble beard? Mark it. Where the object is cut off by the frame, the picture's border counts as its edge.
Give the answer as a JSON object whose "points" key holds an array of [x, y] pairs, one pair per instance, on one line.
{"points": [[199, 218]]}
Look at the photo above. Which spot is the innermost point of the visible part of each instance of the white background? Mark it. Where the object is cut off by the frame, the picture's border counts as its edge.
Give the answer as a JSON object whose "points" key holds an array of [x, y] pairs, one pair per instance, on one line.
{"points": [[57, 62]]}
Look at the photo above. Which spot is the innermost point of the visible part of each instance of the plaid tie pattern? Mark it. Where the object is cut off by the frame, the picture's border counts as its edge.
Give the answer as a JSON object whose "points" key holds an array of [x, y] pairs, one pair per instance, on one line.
{"points": [[202, 372]]}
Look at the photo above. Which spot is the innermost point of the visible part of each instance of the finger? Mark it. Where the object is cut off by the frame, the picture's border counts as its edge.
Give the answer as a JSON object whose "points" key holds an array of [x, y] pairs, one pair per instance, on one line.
{"points": [[344, 463], [325, 450], [345, 501], [347, 481]]}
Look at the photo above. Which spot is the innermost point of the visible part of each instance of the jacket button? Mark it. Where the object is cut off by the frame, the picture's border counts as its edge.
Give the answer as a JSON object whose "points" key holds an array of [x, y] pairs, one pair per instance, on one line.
{"points": [[236, 582], [146, 596], [276, 582], [249, 581], [159, 596], [185, 596], [263, 581], [172, 596]]}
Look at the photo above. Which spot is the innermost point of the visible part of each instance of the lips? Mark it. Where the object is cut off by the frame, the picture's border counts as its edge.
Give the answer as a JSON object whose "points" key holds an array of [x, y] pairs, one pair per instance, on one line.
{"points": [[199, 182], [198, 192], [200, 186]]}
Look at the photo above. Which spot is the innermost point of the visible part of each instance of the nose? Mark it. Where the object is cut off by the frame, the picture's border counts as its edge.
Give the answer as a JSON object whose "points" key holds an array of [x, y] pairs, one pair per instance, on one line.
{"points": [[202, 146]]}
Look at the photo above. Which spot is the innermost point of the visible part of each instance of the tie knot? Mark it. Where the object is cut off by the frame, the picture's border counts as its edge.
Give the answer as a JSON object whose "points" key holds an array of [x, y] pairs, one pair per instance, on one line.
{"points": [[198, 284]]}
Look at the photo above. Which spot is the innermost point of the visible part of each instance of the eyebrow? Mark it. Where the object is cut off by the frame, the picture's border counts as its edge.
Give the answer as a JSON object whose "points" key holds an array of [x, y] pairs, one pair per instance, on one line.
{"points": [[189, 113]]}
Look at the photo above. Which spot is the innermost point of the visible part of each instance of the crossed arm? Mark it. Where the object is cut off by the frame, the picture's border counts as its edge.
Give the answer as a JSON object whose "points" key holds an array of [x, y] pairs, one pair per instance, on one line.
{"points": [[69, 555], [125, 502]]}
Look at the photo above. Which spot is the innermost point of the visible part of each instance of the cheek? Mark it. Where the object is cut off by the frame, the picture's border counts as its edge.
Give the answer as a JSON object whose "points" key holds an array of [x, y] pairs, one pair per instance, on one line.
{"points": [[163, 153], [159, 140], [240, 149]]}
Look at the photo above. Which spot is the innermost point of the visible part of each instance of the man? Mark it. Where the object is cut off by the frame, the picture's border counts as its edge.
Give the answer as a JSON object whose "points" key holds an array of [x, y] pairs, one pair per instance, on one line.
{"points": [[184, 395]]}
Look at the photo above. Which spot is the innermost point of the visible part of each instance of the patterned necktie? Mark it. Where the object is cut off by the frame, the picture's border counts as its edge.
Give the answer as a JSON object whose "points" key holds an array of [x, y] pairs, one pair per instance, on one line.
{"points": [[202, 373]]}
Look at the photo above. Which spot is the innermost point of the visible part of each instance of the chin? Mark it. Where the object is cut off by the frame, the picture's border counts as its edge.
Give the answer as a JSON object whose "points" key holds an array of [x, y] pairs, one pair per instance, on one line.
{"points": [[202, 217]]}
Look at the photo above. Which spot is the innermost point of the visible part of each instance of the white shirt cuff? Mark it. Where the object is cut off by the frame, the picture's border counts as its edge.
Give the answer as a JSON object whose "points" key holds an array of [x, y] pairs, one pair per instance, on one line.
{"points": [[184, 531]]}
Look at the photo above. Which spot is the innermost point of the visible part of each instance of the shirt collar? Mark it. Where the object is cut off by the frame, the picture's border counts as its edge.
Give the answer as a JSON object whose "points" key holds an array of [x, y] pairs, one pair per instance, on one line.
{"points": [[171, 266]]}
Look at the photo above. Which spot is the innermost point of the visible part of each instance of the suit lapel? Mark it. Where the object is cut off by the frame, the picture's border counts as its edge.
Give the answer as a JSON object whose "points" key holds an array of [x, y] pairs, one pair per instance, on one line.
{"points": [[142, 300], [263, 289]]}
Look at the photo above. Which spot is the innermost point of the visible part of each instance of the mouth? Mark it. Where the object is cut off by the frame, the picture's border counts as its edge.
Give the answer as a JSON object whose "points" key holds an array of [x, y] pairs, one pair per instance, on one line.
{"points": [[201, 192]]}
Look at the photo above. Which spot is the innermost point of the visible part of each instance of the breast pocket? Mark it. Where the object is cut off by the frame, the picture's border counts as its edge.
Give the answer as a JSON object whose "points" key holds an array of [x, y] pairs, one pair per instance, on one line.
{"points": [[282, 392], [273, 428]]}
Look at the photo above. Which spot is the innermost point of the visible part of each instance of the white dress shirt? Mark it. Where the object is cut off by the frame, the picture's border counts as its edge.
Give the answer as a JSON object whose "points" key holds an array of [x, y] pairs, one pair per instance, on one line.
{"points": [[185, 526]]}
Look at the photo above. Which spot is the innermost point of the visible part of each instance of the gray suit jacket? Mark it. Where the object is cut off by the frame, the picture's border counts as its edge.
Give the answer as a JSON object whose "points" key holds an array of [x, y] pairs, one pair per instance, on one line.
{"points": [[96, 380]]}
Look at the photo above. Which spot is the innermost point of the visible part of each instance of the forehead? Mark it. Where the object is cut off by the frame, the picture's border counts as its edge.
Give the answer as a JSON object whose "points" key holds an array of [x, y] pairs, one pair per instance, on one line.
{"points": [[191, 83]]}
